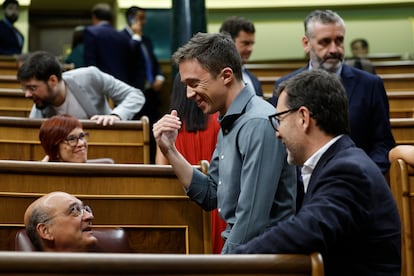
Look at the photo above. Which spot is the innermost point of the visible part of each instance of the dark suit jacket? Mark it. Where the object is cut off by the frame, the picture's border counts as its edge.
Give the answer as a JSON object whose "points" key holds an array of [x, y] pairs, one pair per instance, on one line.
{"points": [[348, 215], [256, 83], [368, 111], [138, 74], [107, 49], [9, 43]]}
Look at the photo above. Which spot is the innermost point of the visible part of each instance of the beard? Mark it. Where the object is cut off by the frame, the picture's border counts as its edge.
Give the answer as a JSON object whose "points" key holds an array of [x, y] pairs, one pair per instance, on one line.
{"points": [[12, 18], [45, 102], [329, 66]]}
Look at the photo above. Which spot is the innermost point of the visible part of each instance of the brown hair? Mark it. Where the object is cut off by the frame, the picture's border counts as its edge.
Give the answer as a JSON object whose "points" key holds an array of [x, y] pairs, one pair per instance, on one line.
{"points": [[54, 131]]}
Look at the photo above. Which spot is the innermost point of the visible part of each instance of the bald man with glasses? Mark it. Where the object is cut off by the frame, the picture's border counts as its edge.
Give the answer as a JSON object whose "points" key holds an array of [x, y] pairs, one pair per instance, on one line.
{"points": [[60, 222]]}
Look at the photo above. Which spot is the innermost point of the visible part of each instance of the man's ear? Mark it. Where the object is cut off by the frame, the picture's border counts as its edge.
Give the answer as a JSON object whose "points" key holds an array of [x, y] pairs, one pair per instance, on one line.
{"points": [[305, 44], [227, 75], [53, 80], [44, 232]]}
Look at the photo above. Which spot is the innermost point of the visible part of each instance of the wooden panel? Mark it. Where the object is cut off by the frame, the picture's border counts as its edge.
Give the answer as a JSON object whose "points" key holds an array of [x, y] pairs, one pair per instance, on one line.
{"points": [[13, 103], [144, 199], [125, 141], [401, 104], [402, 187], [9, 81], [35, 263], [398, 81], [403, 130]]}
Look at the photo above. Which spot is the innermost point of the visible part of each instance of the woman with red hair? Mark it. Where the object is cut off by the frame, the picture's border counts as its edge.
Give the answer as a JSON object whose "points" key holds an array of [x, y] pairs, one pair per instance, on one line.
{"points": [[63, 139]]}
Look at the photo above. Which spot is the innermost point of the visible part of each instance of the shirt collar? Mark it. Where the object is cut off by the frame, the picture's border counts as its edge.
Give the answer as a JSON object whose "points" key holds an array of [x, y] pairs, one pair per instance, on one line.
{"points": [[236, 109], [310, 164]]}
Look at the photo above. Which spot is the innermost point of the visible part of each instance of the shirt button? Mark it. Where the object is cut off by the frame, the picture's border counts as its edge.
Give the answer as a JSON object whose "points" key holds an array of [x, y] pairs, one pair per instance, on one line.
{"points": [[219, 210], [219, 182], [222, 157]]}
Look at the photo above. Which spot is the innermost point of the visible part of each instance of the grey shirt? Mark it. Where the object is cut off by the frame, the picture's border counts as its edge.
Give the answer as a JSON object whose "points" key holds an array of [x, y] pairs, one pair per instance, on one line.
{"points": [[249, 180], [92, 88]]}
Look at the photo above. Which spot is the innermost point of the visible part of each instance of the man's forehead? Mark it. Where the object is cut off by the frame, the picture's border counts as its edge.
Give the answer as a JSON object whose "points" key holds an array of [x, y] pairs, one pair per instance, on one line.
{"points": [[59, 199]]}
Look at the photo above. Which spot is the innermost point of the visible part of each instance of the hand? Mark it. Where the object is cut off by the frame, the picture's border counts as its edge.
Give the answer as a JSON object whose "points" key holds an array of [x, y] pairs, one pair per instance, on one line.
{"points": [[105, 119], [45, 159], [166, 130]]}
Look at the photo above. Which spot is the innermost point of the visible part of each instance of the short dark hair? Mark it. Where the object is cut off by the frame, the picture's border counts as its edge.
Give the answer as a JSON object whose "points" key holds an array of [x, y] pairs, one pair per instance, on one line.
{"points": [[9, 2], [364, 42], [325, 97], [40, 65], [234, 24], [213, 51], [102, 11], [132, 11]]}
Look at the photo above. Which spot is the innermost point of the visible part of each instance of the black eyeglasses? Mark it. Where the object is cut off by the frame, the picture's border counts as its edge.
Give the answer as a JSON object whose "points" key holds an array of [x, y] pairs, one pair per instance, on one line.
{"points": [[73, 140], [275, 120]]}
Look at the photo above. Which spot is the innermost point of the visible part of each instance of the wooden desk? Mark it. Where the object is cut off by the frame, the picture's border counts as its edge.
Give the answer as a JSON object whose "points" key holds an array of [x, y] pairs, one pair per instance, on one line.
{"points": [[398, 81], [402, 187], [403, 130], [401, 104], [23, 263], [13, 103], [9, 81], [125, 141], [147, 201]]}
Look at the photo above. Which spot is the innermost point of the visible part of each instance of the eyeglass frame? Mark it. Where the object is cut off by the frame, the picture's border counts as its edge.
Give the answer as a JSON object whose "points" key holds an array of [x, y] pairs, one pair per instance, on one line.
{"points": [[84, 136], [275, 121], [73, 212]]}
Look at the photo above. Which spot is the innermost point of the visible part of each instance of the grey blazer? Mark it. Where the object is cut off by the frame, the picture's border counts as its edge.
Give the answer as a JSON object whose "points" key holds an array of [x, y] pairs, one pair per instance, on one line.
{"points": [[91, 87]]}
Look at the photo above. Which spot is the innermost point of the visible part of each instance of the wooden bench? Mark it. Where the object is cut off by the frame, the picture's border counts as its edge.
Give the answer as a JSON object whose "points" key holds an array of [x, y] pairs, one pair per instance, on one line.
{"points": [[147, 201], [401, 104], [124, 142], [9, 81], [394, 66], [13, 103], [18, 263], [403, 130], [402, 187]]}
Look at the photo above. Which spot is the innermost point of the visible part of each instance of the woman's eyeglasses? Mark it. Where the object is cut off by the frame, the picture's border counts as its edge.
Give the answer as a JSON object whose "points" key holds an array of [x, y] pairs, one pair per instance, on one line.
{"points": [[73, 140]]}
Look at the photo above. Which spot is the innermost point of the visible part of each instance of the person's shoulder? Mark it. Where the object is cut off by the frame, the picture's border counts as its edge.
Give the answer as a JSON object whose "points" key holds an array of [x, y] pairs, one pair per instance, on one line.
{"points": [[361, 74], [288, 76]]}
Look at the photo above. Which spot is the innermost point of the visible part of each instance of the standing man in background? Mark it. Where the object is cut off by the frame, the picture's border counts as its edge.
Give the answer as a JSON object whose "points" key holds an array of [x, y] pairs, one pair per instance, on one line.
{"points": [[11, 39], [104, 46], [368, 104], [242, 32], [145, 72]]}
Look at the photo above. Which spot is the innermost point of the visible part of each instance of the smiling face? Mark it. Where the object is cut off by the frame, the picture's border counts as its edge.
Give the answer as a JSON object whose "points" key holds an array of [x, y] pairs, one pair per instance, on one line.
{"points": [[76, 153], [289, 132], [325, 45], [42, 93], [209, 93], [68, 227]]}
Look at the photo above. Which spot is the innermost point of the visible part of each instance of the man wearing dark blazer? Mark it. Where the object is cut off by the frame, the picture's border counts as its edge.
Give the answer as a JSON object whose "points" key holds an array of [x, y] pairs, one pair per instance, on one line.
{"points": [[368, 102], [348, 213], [145, 72], [104, 46], [242, 31], [11, 39]]}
